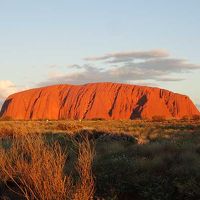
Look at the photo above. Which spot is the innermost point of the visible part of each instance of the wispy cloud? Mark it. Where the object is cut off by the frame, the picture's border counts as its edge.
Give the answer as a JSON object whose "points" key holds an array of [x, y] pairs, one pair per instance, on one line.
{"points": [[169, 79], [75, 66], [124, 56], [154, 65]]}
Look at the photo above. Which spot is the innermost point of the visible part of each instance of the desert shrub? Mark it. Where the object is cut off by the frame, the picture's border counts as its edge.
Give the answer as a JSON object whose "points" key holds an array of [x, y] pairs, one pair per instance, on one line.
{"points": [[196, 117], [6, 118], [158, 118], [37, 170], [98, 119], [14, 129], [185, 117], [7, 131], [164, 169], [68, 126]]}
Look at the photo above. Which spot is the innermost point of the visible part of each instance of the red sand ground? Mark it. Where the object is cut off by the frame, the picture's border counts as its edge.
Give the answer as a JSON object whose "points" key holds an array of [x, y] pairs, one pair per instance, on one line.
{"points": [[97, 100]]}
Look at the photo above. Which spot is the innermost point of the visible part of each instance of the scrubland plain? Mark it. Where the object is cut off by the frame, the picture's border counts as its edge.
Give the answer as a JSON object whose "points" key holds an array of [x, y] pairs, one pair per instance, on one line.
{"points": [[100, 159]]}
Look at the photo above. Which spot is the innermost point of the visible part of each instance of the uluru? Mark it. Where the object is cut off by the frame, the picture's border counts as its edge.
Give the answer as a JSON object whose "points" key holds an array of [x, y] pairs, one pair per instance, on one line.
{"points": [[97, 100]]}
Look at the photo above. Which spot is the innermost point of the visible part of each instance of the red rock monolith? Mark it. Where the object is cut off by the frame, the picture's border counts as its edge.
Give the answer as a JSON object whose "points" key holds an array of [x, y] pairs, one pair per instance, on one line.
{"points": [[97, 100]]}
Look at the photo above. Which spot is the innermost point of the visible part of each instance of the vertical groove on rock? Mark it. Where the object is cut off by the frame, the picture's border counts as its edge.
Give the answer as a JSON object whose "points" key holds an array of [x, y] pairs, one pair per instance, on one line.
{"points": [[33, 106], [89, 105], [114, 102]]}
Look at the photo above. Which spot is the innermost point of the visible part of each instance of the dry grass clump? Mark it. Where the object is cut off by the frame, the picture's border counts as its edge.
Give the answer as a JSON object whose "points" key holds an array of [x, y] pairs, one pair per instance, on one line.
{"points": [[18, 128], [69, 126], [85, 186], [37, 170]]}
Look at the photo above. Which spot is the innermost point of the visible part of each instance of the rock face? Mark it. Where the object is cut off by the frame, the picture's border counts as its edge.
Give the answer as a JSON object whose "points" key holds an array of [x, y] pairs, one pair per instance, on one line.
{"points": [[97, 100]]}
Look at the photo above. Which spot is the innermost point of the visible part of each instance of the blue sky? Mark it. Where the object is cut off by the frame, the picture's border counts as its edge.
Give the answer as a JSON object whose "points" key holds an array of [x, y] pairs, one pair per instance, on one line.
{"points": [[46, 42]]}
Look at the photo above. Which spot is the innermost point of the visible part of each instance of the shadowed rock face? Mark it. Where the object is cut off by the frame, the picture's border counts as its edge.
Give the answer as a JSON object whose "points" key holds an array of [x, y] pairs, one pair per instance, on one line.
{"points": [[97, 100]]}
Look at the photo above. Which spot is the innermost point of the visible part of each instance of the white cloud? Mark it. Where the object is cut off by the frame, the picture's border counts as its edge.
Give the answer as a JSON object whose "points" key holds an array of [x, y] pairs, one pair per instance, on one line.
{"points": [[6, 88]]}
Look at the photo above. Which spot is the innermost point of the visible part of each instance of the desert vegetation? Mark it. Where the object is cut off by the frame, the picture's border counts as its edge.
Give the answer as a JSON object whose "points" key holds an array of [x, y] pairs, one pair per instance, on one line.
{"points": [[99, 159], [33, 169]]}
